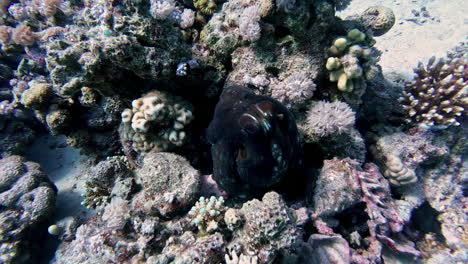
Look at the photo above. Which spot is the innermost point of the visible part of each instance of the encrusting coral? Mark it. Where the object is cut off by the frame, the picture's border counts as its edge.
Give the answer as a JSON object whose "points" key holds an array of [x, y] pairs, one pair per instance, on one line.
{"points": [[438, 95]]}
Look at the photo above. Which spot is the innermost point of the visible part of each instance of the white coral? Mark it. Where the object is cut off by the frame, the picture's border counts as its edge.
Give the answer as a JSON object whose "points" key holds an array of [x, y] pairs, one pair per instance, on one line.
{"points": [[116, 213], [295, 89], [187, 18], [325, 118], [161, 9], [249, 27]]}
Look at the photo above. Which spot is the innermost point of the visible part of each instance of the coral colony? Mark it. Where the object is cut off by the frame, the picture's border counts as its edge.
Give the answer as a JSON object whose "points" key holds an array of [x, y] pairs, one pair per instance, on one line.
{"points": [[228, 131]]}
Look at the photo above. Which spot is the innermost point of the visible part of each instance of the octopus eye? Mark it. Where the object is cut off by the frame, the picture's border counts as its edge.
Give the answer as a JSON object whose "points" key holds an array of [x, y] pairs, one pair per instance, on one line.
{"points": [[242, 154], [265, 107], [249, 123]]}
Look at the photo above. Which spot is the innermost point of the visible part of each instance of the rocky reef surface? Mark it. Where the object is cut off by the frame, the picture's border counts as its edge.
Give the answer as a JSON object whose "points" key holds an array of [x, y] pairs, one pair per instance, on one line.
{"points": [[228, 131]]}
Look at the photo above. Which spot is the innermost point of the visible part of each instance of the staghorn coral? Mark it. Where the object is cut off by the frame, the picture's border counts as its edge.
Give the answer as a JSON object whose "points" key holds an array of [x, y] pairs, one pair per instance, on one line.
{"points": [[437, 97], [379, 19], [157, 121], [206, 214], [325, 118]]}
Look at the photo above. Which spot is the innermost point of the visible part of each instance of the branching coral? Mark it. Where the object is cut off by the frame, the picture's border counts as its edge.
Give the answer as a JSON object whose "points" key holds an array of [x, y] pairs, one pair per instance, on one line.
{"points": [[156, 121], [438, 95], [206, 214], [324, 118], [96, 195]]}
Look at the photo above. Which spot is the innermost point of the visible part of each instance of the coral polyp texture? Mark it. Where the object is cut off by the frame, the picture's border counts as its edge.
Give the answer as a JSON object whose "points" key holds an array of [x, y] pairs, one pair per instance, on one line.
{"points": [[438, 95], [326, 118], [156, 121], [206, 214], [350, 62]]}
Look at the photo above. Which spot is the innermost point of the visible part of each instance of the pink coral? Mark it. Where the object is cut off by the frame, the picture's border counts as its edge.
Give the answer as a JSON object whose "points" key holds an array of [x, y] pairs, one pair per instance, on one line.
{"points": [[23, 35], [5, 34]]}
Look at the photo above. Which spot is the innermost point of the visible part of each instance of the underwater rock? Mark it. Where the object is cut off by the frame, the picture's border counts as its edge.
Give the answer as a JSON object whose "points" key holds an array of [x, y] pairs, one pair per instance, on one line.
{"points": [[379, 19], [188, 248], [336, 187], [269, 228], [27, 198], [170, 184], [254, 141]]}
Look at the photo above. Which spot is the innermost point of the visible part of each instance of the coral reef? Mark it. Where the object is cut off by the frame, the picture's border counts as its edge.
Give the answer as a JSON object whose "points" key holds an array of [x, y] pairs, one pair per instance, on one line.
{"points": [[206, 213], [350, 64], [437, 96], [325, 119], [269, 228], [170, 184], [379, 19], [157, 121], [269, 107], [27, 200]]}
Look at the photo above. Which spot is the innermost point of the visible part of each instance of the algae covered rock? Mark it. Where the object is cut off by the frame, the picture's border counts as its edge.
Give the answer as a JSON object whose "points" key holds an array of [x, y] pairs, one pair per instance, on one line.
{"points": [[27, 199], [169, 182]]}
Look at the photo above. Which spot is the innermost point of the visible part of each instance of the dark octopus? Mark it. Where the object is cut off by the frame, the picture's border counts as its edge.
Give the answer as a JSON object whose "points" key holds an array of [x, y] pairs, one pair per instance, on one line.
{"points": [[254, 140]]}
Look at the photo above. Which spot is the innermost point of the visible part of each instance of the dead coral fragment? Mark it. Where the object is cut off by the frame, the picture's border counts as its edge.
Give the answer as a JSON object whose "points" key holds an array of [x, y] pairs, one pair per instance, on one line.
{"points": [[438, 94]]}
